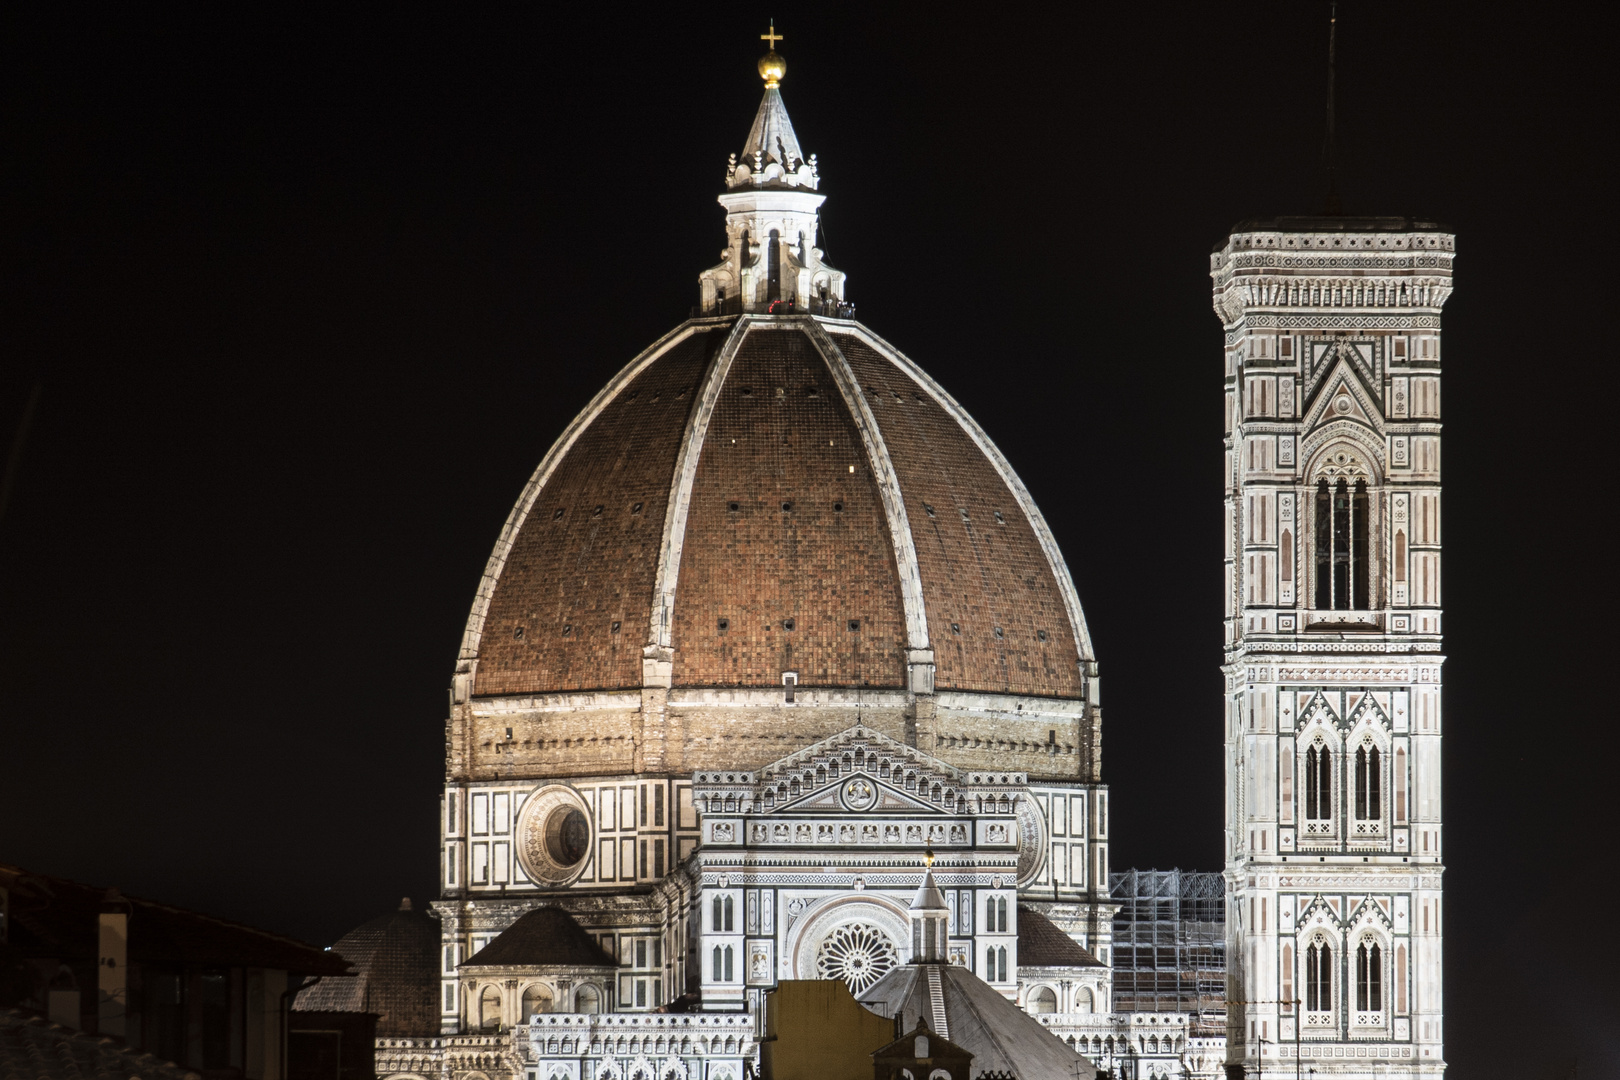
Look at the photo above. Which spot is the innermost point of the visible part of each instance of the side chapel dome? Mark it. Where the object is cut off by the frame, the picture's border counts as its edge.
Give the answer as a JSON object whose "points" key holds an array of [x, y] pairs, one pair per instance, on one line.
{"points": [[773, 493]]}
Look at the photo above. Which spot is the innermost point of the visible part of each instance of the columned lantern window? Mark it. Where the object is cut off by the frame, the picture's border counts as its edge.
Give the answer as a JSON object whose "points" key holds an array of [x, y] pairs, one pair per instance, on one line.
{"points": [[1342, 563]]}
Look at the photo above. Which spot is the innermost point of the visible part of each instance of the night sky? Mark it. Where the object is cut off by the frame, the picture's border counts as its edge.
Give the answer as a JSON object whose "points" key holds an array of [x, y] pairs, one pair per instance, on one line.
{"points": [[307, 300]]}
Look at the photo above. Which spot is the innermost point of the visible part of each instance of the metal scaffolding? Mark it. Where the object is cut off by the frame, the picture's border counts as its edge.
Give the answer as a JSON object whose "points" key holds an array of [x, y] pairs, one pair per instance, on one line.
{"points": [[1170, 945]]}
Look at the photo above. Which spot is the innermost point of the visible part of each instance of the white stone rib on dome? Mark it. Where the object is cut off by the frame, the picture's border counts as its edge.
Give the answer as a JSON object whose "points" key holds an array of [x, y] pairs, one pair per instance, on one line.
{"points": [[877, 456], [472, 636], [660, 635], [1026, 502]]}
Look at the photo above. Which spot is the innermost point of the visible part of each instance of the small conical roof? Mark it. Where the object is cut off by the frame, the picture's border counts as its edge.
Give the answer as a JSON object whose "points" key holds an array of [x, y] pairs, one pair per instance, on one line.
{"points": [[928, 897], [772, 134]]}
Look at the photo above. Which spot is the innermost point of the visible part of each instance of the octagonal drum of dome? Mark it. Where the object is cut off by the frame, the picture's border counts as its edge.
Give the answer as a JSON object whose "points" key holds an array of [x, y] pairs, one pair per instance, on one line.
{"points": [[764, 530]]}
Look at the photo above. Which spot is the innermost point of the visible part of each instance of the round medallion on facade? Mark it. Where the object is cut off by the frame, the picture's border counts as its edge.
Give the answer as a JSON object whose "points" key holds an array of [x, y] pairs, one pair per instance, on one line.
{"points": [[858, 953], [1032, 843], [555, 835], [859, 794]]}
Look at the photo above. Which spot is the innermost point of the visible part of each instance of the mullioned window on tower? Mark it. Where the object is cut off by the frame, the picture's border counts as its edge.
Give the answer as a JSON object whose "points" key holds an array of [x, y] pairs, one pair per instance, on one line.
{"points": [[1342, 563]]}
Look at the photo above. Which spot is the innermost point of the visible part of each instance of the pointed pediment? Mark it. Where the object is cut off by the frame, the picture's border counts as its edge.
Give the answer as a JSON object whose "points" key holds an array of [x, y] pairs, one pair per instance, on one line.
{"points": [[1321, 911], [858, 770], [1365, 706], [1326, 357], [1316, 708], [1341, 395], [861, 792], [1368, 911]]}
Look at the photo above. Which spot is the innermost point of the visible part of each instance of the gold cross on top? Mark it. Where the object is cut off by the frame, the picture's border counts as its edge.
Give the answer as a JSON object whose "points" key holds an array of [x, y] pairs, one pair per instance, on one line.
{"points": [[772, 37]]}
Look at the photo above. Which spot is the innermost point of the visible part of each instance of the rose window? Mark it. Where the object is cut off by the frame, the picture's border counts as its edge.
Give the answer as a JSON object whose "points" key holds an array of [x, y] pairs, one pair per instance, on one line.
{"points": [[858, 953]]}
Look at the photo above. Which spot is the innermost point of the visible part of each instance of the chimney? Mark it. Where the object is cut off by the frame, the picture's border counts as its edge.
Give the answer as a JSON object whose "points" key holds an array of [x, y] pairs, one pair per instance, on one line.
{"points": [[112, 965]]}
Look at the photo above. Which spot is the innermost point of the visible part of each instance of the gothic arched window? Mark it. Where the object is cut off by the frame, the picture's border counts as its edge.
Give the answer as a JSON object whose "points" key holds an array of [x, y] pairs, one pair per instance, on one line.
{"points": [[730, 922], [1319, 977], [1369, 787], [1342, 561], [1318, 783], [719, 922], [718, 957], [1001, 965], [1369, 977], [1001, 914], [730, 957]]}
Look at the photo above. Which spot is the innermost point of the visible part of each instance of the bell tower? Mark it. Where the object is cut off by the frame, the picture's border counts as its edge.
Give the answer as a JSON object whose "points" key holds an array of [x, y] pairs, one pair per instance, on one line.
{"points": [[1333, 643]]}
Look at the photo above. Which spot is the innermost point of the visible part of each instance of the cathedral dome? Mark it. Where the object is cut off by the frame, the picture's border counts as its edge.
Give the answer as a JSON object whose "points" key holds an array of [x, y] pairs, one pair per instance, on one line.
{"points": [[767, 494], [772, 506]]}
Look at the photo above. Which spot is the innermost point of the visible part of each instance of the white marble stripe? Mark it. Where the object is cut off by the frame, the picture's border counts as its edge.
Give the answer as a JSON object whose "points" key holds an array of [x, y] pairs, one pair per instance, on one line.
{"points": [[1043, 533], [894, 503], [473, 635], [680, 499]]}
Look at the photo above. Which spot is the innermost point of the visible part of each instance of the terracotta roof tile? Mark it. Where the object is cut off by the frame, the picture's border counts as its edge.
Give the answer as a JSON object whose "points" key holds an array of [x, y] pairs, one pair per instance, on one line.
{"points": [[545, 937]]}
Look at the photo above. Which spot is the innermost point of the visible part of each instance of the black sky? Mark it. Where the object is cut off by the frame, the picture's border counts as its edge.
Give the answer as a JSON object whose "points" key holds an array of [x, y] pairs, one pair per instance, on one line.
{"points": [[308, 299]]}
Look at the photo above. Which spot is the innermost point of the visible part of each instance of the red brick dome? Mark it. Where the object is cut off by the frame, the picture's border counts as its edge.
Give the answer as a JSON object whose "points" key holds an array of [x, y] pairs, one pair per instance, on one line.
{"points": [[762, 494]]}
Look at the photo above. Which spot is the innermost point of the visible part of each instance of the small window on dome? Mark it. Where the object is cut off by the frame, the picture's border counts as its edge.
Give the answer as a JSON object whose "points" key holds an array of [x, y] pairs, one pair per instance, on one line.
{"points": [[598, 511], [999, 519], [787, 508], [956, 628], [1040, 635], [748, 391], [568, 629], [855, 624], [517, 632], [787, 624], [615, 629], [733, 507], [724, 625], [636, 509], [928, 509], [998, 633], [558, 515], [838, 508]]}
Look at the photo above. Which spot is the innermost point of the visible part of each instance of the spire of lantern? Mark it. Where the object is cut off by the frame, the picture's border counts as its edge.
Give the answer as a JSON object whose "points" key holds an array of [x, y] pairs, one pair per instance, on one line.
{"points": [[929, 917], [771, 262]]}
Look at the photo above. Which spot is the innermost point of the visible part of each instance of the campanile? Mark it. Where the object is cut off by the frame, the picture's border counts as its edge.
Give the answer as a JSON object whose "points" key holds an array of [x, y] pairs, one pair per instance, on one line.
{"points": [[1333, 643]]}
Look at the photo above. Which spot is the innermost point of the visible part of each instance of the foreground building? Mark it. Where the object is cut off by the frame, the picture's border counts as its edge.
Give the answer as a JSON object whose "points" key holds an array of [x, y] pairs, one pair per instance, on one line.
{"points": [[1333, 719], [96, 983]]}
